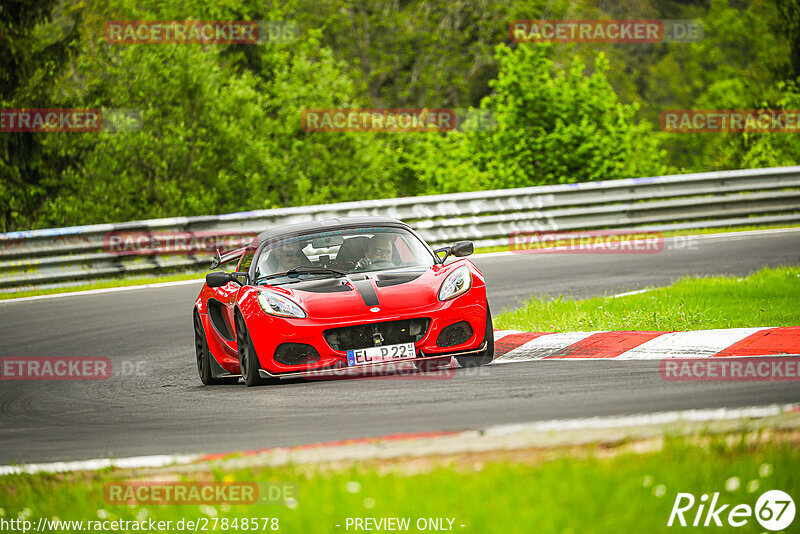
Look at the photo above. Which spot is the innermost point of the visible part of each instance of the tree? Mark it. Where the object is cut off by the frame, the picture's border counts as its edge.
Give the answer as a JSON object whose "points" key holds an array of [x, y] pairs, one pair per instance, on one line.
{"points": [[220, 129], [34, 47], [789, 26], [733, 66], [559, 126]]}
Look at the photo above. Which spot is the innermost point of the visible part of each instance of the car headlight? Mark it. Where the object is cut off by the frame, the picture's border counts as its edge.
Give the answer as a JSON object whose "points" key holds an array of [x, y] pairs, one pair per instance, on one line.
{"points": [[278, 305], [456, 283]]}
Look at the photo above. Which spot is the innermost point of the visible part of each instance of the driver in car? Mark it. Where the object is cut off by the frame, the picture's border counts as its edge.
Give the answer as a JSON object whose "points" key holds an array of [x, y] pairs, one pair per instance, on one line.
{"points": [[287, 257], [379, 250]]}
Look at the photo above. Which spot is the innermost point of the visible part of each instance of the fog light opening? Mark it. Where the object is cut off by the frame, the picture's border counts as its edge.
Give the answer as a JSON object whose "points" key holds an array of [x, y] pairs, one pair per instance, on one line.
{"points": [[296, 354], [455, 334]]}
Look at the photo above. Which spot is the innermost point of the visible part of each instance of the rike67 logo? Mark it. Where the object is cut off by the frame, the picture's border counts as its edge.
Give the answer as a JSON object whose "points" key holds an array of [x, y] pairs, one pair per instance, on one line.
{"points": [[774, 510]]}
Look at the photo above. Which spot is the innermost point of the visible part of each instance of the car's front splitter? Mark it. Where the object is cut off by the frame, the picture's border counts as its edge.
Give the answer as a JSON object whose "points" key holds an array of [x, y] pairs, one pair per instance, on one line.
{"points": [[365, 366]]}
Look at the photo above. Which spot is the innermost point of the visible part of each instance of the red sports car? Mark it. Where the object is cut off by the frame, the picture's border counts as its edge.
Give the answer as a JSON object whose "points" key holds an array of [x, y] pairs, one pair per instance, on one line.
{"points": [[343, 293]]}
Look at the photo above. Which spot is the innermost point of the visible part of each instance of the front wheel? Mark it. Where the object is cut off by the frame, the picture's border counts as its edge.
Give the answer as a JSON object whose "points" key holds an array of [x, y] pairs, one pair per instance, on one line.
{"points": [[248, 359], [204, 356], [486, 355]]}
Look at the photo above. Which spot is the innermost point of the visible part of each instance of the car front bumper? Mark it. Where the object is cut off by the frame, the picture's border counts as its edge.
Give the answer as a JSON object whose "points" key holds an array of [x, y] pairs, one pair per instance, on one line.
{"points": [[269, 332]]}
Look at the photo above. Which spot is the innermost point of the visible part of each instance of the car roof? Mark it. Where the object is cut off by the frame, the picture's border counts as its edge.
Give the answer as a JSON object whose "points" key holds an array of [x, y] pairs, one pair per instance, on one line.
{"points": [[326, 224]]}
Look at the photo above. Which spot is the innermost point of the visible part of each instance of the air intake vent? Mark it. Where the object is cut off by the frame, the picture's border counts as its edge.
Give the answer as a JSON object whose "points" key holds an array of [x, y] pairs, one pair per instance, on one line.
{"points": [[296, 354], [364, 335], [455, 334]]}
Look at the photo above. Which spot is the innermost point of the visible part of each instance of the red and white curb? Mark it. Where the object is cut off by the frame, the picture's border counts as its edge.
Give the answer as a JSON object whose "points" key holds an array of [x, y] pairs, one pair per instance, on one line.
{"points": [[509, 436], [515, 346]]}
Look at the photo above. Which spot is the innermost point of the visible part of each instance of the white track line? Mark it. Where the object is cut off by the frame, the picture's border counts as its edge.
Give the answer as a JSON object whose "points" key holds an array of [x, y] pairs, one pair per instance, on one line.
{"points": [[103, 290], [629, 293], [745, 233], [658, 418], [100, 463]]}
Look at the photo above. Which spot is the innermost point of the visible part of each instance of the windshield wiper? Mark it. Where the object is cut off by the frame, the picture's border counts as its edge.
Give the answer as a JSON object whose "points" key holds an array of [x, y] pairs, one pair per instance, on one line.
{"points": [[305, 269]]}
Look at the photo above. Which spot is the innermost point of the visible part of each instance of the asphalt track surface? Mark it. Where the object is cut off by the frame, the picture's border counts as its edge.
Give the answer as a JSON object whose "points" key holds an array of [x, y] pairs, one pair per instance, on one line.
{"points": [[164, 409]]}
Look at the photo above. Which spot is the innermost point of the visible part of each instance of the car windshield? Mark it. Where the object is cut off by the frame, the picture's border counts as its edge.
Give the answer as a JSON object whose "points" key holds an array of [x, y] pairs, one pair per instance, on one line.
{"points": [[341, 252]]}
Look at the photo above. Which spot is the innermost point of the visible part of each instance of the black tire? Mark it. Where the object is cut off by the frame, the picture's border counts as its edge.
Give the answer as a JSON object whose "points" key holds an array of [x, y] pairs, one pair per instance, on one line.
{"points": [[485, 356], [204, 355], [248, 359], [432, 364]]}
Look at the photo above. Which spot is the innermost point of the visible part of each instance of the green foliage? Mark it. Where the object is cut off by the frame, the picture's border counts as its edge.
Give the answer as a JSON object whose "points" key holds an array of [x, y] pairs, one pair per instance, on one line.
{"points": [[752, 150], [35, 42], [202, 131], [429, 53], [789, 26], [560, 126], [220, 124], [552, 126], [735, 66], [215, 137]]}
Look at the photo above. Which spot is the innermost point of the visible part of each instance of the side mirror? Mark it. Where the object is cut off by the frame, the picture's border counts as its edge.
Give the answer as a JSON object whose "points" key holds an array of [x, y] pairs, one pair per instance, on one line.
{"points": [[462, 248], [218, 279], [459, 249], [438, 251], [241, 278], [221, 278]]}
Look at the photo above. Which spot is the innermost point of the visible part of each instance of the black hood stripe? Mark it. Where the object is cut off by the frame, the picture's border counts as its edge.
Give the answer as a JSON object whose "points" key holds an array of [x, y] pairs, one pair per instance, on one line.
{"points": [[367, 292]]}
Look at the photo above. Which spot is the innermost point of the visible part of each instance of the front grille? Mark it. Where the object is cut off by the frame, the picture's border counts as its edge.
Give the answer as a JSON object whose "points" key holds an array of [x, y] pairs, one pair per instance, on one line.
{"points": [[296, 354], [365, 335], [455, 334]]}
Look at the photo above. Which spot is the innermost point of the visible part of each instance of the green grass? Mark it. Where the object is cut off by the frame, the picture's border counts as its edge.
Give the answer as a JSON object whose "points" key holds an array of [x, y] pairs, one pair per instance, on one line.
{"points": [[561, 493], [768, 297]]}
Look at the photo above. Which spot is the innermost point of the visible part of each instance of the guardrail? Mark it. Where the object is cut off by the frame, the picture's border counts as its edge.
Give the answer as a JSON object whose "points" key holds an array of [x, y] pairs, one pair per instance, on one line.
{"points": [[727, 198]]}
